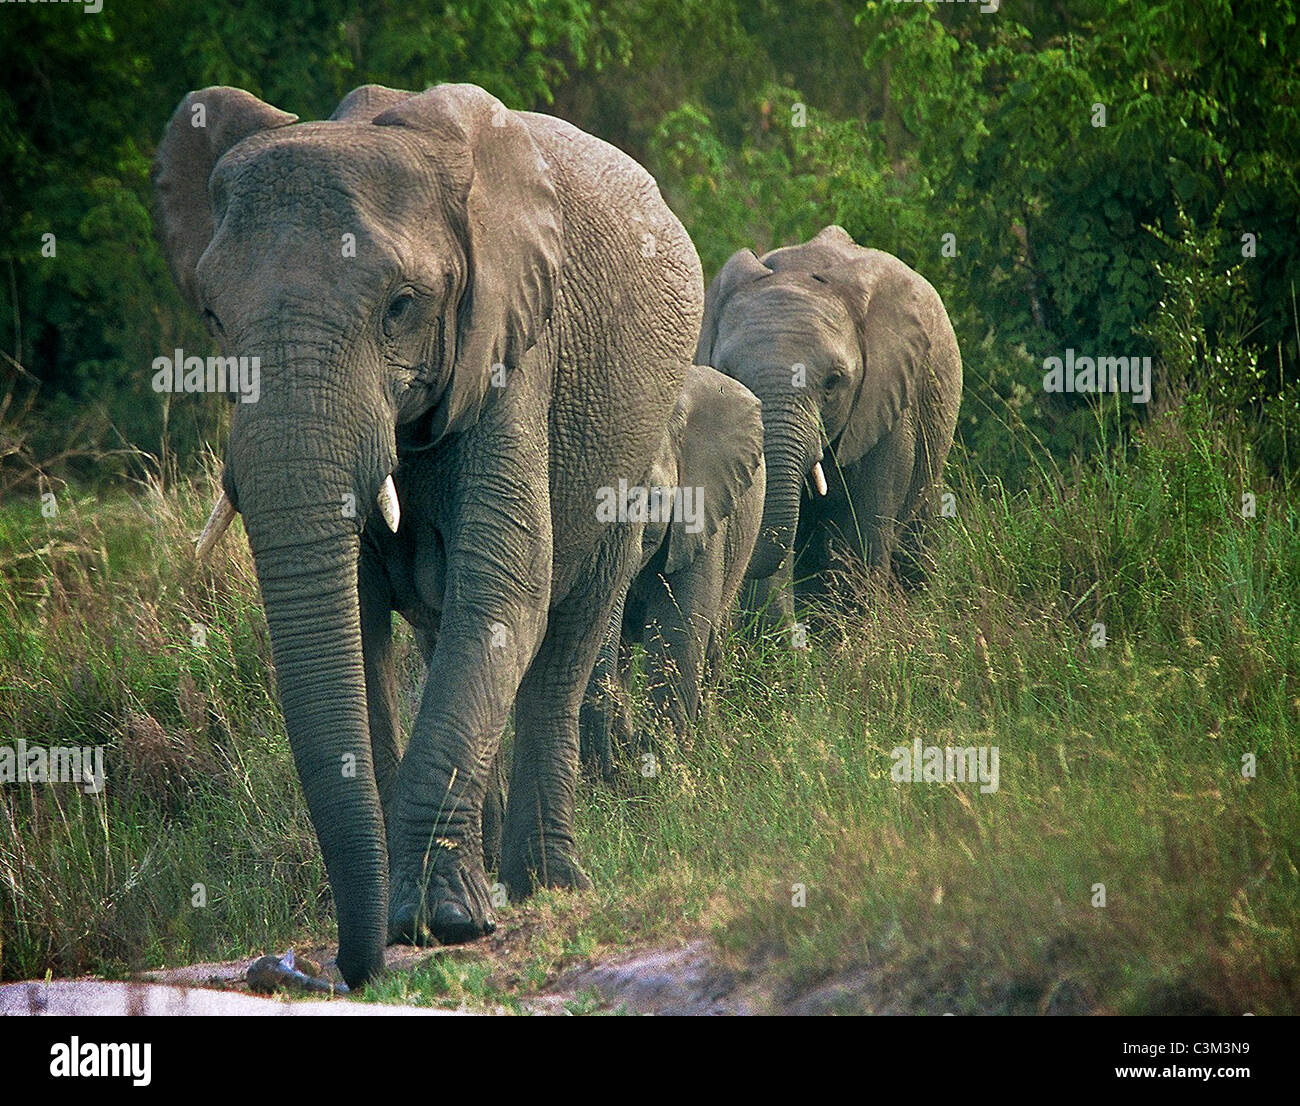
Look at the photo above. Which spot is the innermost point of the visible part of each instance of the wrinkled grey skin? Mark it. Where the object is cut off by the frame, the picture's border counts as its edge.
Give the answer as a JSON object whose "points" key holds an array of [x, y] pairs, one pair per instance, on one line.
{"points": [[483, 237], [679, 602], [877, 405]]}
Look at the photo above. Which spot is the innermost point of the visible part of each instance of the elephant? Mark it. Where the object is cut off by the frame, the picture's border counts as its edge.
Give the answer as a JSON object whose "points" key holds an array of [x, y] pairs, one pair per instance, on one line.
{"points": [[468, 320], [855, 361], [693, 560]]}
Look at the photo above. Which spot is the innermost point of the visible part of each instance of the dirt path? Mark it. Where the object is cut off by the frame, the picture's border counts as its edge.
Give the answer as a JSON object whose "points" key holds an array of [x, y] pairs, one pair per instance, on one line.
{"points": [[666, 981], [684, 980], [692, 978], [89, 998]]}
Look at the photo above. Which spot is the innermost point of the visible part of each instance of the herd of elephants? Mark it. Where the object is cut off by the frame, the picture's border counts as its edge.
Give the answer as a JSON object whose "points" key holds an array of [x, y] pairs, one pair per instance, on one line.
{"points": [[489, 325]]}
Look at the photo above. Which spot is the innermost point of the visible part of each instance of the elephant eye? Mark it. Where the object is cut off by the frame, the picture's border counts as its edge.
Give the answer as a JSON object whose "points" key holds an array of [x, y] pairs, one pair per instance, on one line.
{"points": [[398, 308], [212, 323]]}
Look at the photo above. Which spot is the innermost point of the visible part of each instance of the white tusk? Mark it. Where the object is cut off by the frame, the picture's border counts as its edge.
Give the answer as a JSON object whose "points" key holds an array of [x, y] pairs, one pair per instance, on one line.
{"points": [[819, 478], [223, 514], [388, 504]]}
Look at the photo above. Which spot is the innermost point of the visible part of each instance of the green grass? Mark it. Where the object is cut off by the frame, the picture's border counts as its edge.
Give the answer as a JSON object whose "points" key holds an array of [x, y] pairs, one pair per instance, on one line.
{"points": [[1119, 765]]}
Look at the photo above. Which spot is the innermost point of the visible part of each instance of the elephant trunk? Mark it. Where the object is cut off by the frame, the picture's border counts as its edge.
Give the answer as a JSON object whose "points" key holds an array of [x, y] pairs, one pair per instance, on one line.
{"points": [[790, 448], [313, 617], [296, 483]]}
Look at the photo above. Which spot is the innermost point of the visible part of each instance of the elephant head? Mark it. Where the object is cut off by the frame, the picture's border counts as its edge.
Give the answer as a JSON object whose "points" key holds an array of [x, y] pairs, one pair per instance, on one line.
{"points": [[383, 266], [713, 449], [832, 338]]}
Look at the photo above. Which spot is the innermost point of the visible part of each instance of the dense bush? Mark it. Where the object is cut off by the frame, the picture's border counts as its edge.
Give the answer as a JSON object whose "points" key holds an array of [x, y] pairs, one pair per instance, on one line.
{"points": [[764, 121]]}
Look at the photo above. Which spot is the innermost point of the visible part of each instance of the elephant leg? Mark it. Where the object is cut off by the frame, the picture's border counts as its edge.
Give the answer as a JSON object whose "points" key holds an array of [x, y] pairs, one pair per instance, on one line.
{"points": [[494, 811], [494, 798], [769, 604], [679, 620], [491, 624], [538, 847], [911, 562], [713, 657], [426, 641], [621, 727], [603, 704], [878, 487], [375, 601]]}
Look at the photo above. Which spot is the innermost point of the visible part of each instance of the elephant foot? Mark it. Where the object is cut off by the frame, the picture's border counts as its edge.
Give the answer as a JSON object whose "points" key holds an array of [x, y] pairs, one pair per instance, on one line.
{"points": [[533, 866], [358, 970], [450, 907]]}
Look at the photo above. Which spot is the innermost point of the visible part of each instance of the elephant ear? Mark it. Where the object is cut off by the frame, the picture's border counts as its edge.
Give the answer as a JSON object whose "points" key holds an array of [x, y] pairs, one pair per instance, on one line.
{"points": [[205, 125], [742, 268], [716, 432], [893, 308], [513, 237]]}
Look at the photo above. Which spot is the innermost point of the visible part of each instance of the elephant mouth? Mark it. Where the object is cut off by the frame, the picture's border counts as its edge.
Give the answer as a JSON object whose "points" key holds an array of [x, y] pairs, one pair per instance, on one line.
{"points": [[223, 514]]}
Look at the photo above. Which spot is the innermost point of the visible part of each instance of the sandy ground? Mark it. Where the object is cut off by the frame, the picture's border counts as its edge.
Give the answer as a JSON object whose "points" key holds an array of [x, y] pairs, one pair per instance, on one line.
{"points": [[691, 978], [666, 981], [89, 998]]}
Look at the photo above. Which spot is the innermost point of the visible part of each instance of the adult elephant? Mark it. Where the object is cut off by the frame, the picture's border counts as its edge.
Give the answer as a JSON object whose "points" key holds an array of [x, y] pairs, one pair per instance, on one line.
{"points": [[857, 366], [475, 317], [705, 493]]}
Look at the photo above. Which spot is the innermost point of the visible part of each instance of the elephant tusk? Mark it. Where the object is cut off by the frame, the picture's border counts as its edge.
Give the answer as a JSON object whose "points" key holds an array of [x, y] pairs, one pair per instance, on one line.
{"points": [[388, 504], [819, 478], [223, 514]]}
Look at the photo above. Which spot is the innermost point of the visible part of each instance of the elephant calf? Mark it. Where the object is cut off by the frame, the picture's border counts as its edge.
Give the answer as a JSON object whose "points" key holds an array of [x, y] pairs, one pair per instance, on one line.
{"points": [[856, 364], [692, 563]]}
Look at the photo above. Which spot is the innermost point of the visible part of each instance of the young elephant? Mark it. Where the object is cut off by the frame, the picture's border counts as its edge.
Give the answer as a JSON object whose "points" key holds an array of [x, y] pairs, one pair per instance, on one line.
{"points": [[692, 563], [856, 363]]}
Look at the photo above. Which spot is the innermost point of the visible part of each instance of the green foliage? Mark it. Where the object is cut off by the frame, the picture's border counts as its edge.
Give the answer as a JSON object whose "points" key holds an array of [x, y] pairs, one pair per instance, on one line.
{"points": [[98, 606], [982, 128], [763, 121]]}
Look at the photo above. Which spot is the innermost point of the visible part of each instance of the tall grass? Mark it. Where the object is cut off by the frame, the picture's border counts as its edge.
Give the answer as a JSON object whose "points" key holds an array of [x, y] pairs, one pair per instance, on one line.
{"points": [[111, 636], [1121, 764]]}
